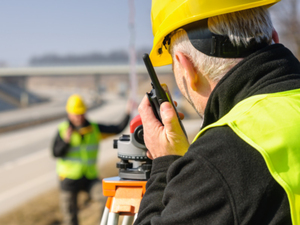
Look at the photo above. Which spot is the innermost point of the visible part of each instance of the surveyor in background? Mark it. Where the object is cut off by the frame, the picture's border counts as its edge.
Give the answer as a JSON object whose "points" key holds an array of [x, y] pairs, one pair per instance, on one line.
{"points": [[243, 166], [76, 148]]}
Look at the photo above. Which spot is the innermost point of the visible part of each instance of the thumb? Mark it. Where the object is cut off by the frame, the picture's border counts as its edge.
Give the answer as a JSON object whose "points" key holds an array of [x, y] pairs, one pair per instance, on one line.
{"points": [[170, 119]]}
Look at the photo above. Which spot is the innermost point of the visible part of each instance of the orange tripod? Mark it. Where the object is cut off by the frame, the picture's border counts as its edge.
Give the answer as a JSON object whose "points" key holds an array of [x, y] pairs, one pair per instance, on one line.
{"points": [[124, 198]]}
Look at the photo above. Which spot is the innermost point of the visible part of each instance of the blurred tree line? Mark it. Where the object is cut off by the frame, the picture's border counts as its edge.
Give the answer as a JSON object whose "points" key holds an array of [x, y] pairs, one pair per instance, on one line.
{"points": [[285, 15], [118, 57]]}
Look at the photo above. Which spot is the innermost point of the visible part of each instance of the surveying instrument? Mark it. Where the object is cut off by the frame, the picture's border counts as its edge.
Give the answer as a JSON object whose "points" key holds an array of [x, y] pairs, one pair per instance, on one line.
{"points": [[126, 191]]}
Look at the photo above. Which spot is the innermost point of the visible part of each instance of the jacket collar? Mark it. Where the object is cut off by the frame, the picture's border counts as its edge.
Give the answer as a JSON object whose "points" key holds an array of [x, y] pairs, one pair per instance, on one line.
{"points": [[269, 70]]}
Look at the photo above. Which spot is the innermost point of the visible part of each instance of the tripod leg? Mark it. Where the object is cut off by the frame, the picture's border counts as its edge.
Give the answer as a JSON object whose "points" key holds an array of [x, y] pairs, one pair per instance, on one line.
{"points": [[113, 218], [127, 220], [104, 216]]}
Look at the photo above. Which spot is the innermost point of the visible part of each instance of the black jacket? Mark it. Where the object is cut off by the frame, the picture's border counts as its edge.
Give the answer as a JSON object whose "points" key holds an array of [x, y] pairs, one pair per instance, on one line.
{"points": [[222, 179], [60, 148]]}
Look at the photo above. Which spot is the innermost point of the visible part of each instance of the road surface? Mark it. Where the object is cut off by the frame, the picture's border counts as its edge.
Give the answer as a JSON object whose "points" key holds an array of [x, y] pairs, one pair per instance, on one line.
{"points": [[27, 167]]}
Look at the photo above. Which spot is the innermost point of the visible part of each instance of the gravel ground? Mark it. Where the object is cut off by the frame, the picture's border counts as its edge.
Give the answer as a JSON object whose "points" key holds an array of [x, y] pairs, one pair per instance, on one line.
{"points": [[44, 210]]}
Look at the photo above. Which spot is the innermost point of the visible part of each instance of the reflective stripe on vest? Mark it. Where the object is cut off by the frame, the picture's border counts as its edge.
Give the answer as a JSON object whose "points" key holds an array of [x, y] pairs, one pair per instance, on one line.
{"points": [[270, 124], [81, 157], [88, 162], [74, 149], [91, 147]]}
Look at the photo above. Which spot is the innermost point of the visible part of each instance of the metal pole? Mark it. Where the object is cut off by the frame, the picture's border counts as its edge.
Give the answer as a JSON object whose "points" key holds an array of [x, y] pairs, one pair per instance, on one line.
{"points": [[132, 56], [127, 220], [104, 218]]}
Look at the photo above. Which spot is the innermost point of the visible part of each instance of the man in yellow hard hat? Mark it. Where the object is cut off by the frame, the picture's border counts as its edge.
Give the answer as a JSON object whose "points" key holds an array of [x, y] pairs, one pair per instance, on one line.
{"points": [[243, 166], [76, 147]]}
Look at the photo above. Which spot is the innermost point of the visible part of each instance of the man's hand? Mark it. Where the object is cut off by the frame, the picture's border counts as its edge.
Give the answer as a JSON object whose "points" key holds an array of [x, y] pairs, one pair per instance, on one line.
{"points": [[68, 134], [162, 140]]}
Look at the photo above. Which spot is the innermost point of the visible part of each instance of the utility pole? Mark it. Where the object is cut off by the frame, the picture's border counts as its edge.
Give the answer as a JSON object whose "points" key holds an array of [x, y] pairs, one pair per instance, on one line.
{"points": [[132, 57]]}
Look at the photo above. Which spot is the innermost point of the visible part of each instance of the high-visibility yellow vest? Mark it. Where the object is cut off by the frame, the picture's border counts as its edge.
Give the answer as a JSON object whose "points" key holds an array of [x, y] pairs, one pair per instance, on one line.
{"points": [[81, 158], [271, 123]]}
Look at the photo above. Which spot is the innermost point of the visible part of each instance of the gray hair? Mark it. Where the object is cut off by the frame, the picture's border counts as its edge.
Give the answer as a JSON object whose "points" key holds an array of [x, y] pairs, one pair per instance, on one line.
{"points": [[241, 27]]}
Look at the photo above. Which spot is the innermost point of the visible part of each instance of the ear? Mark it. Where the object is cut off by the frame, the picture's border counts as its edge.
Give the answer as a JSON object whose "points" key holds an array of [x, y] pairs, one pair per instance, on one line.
{"points": [[189, 69], [275, 36]]}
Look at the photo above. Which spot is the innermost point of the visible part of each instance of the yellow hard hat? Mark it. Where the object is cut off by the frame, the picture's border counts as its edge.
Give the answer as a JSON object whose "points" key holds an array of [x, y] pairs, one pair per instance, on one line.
{"points": [[169, 15], [75, 105]]}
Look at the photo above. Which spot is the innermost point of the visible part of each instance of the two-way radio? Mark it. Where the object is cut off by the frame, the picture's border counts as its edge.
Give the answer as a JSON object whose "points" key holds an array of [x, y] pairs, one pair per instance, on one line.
{"points": [[132, 151], [126, 191], [159, 94]]}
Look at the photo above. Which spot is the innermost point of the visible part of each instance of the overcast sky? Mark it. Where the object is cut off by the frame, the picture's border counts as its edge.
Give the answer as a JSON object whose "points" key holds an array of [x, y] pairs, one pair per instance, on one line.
{"points": [[37, 27]]}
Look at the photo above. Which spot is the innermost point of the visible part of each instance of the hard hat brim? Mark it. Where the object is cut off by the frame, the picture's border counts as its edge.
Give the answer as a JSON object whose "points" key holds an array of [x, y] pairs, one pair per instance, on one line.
{"points": [[159, 55]]}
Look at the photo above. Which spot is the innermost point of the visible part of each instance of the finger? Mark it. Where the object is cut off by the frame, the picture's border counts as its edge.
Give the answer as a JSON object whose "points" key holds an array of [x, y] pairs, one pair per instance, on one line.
{"points": [[70, 129], [151, 125], [275, 36], [146, 113], [170, 119], [149, 155], [181, 115]]}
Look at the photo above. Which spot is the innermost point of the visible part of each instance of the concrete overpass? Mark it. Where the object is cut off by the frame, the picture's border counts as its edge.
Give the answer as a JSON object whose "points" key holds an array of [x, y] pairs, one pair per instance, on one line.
{"points": [[78, 70]]}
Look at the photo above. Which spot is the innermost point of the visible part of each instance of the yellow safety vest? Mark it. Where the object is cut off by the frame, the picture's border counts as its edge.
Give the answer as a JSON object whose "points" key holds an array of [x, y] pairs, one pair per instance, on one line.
{"points": [[271, 124], [81, 158]]}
